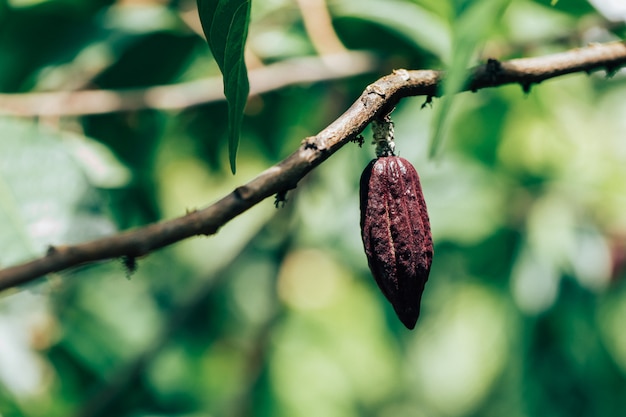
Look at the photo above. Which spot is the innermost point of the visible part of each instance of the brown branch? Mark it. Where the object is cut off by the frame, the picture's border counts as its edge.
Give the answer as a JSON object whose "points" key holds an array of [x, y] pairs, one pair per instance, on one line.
{"points": [[376, 99], [182, 95]]}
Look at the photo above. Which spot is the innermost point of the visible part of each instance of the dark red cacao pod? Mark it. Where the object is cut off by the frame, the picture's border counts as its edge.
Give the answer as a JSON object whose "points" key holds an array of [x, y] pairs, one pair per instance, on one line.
{"points": [[396, 233]]}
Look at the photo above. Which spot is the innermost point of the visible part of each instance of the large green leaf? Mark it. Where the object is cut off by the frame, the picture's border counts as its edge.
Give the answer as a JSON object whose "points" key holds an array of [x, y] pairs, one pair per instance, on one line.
{"points": [[471, 28], [225, 24]]}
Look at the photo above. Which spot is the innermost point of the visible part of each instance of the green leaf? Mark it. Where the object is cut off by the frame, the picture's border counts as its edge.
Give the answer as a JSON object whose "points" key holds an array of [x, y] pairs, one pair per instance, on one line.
{"points": [[470, 30], [225, 25]]}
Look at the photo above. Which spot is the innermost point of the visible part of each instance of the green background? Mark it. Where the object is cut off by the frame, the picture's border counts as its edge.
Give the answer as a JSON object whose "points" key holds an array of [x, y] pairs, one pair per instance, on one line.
{"points": [[277, 314]]}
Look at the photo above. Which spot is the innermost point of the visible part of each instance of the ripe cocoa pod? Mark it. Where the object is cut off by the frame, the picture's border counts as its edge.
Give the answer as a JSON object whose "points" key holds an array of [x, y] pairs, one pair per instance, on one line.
{"points": [[396, 233]]}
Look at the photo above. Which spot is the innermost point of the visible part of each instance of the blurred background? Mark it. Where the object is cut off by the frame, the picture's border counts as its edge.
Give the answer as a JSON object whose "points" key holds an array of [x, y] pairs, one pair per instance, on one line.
{"points": [[113, 118]]}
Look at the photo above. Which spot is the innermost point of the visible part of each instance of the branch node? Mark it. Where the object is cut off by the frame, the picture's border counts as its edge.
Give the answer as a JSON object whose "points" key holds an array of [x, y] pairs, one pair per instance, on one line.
{"points": [[493, 69], [309, 143], [51, 250], [243, 192], [487, 75], [402, 73], [372, 89], [375, 89]]}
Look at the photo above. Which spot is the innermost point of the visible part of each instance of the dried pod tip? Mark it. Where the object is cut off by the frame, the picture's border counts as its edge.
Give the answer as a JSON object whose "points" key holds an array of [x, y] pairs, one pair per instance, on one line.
{"points": [[396, 233]]}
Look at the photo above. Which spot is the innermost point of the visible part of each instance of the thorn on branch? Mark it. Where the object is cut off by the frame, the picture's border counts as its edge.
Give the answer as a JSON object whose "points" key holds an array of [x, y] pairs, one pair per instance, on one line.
{"points": [[280, 199], [526, 86], [611, 70], [359, 139], [428, 102], [130, 265]]}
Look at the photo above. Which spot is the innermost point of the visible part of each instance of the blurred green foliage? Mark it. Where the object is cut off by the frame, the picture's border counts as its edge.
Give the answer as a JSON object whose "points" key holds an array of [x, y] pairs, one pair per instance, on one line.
{"points": [[277, 315]]}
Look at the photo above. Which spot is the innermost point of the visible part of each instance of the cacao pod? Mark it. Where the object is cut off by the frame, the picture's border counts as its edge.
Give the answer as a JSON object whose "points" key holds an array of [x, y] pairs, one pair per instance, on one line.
{"points": [[396, 233]]}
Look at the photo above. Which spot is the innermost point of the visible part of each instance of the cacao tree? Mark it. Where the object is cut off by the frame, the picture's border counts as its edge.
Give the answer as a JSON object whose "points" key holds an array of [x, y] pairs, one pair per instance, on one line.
{"points": [[180, 208]]}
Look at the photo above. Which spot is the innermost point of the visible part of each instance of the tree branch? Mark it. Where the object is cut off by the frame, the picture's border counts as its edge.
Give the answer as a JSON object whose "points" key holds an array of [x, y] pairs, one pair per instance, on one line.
{"points": [[186, 94], [377, 99]]}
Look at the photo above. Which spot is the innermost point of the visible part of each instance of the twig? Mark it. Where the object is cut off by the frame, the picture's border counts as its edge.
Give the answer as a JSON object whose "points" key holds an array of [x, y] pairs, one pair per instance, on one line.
{"points": [[319, 26], [182, 95], [377, 98]]}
